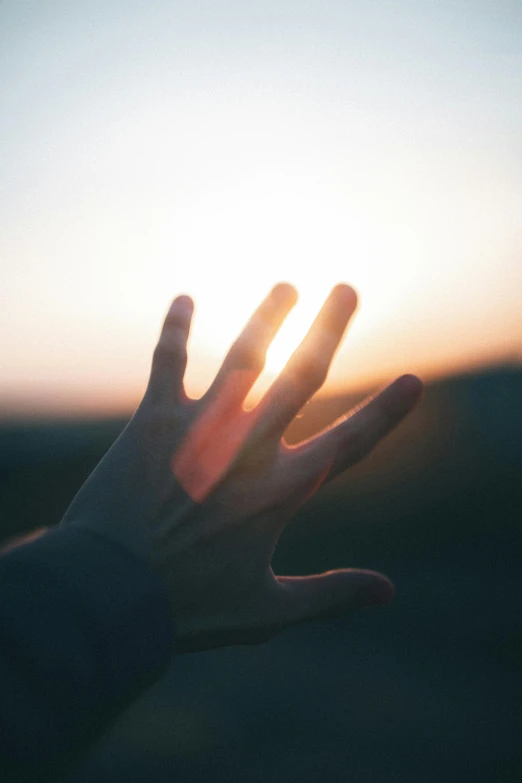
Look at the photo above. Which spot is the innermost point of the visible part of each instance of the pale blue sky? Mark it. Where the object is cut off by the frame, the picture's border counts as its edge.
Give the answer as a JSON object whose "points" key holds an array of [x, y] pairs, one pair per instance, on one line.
{"points": [[149, 148]]}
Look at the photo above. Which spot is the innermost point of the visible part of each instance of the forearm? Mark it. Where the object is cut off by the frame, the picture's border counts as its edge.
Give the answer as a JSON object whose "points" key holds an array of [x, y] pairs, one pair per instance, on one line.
{"points": [[85, 627]]}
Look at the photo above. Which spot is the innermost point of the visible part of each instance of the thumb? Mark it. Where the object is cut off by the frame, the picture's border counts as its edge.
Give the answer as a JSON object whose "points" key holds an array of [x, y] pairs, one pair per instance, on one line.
{"points": [[332, 594]]}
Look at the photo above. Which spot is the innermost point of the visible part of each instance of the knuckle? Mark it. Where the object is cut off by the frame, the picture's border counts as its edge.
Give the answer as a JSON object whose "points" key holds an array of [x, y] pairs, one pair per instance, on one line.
{"points": [[169, 351], [246, 356], [311, 371], [175, 320]]}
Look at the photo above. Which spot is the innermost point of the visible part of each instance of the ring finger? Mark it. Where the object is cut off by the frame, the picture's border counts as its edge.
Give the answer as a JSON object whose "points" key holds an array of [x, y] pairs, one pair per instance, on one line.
{"points": [[308, 366]]}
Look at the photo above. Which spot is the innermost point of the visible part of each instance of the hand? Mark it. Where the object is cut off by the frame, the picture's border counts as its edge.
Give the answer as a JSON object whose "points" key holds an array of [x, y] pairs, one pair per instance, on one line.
{"points": [[203, 489]]}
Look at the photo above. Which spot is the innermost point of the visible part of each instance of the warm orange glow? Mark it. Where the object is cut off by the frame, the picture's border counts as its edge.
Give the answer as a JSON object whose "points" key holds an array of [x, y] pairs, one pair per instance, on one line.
{"points": [[215, 438], [219, 175]]}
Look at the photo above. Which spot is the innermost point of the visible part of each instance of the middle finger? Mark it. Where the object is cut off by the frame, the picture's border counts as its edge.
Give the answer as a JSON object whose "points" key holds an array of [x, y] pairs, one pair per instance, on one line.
{"points": [[308, 366], [245, 360]]}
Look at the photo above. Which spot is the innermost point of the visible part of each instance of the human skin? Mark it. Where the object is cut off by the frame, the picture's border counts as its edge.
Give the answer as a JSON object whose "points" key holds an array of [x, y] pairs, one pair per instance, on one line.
{"points": [[202, 489]]}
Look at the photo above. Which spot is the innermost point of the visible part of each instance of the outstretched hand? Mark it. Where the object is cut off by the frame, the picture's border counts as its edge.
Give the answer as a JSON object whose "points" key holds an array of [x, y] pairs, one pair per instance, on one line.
{"points": [[203, 489]]}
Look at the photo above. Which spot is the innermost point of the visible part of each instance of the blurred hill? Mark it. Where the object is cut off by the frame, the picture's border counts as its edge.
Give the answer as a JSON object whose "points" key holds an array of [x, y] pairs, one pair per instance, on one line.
{"points": [[465, 426], [427, 689]]}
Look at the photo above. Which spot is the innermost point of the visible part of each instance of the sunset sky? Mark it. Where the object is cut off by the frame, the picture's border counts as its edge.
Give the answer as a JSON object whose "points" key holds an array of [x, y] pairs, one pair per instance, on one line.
{"points": [[216, 148]]}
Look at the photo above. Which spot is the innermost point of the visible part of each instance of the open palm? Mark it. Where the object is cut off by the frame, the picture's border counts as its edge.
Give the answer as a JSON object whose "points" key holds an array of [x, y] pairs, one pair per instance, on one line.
{"points": [[203, 488]]}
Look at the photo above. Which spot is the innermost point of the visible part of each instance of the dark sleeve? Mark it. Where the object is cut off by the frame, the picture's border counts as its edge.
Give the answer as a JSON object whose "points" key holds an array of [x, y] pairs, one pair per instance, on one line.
{"points": [[85, 627]]}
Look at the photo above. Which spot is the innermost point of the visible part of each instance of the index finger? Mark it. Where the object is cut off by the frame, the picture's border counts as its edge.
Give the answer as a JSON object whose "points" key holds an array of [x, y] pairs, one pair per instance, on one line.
{"points": [[170, 355]]}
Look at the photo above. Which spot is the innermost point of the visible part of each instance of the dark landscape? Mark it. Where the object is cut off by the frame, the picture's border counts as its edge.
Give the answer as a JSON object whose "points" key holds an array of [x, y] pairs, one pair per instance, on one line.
{"points": [[426, 690]]}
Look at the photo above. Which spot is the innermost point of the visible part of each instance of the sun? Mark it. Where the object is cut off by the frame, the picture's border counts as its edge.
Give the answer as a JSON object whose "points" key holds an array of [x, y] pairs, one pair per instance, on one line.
{"points": [[237, 239]]}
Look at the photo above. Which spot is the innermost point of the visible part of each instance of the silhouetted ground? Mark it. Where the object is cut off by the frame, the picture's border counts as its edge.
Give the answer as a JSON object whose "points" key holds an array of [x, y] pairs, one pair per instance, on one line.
{"points": [[426, 690]]}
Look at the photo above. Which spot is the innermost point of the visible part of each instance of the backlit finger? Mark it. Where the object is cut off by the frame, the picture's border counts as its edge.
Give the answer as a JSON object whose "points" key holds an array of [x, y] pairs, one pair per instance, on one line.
{"points": [[246, 358], [307, 368], [352, 437], [170, 355]]}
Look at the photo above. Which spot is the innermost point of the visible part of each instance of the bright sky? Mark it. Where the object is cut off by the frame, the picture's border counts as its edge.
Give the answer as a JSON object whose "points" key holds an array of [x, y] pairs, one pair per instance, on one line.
{"points": [[215, 148]]}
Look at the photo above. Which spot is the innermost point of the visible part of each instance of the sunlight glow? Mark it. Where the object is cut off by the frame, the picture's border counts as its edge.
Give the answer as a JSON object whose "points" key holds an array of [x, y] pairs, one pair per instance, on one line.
{"points": [[273, 225], [202, 153]]}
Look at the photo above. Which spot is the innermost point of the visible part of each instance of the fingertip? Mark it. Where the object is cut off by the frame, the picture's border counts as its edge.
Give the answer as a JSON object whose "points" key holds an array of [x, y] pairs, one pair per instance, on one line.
{"points": [[380, 590], [411, 385], [180, 311], [184, 301], [386, 591], [285, 293], [401, 396], [347, 293]]}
